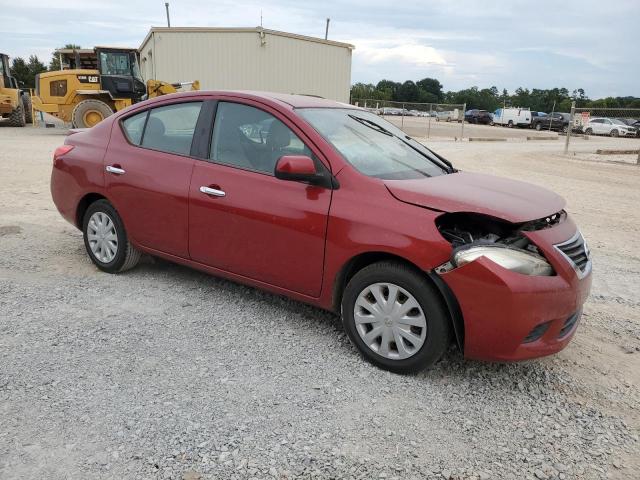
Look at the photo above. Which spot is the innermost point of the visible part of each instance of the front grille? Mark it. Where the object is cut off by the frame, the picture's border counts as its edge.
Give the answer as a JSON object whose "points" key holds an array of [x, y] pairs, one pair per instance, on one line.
{"points": [[536, 332], [575, 250], [569, 323]]}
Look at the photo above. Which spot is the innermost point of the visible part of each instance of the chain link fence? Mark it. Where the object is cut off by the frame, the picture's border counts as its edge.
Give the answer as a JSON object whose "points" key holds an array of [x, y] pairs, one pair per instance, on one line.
{"points": [[421, 120], [619, 123]]}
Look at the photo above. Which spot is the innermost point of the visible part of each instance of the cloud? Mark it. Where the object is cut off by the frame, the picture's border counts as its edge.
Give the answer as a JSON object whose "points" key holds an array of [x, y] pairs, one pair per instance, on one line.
{"points": [[507, 43]]}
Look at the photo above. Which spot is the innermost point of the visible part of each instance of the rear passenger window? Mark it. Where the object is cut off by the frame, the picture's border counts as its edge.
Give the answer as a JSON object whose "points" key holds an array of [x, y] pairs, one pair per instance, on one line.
{"points": [[170, 129], [133, 127]]}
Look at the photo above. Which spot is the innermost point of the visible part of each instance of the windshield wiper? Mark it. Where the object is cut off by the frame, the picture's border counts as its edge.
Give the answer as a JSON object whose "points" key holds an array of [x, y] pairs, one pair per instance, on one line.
{"points": [[446, 164], [372, 125]]}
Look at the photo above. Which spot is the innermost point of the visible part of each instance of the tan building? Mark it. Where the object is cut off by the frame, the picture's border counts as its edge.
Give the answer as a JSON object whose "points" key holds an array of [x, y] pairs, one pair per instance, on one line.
{"points": [[248, 59]]}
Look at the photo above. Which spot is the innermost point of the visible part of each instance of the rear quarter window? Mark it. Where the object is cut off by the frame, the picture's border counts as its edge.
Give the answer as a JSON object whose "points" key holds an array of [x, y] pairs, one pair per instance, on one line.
{"points": [[134, 126]]}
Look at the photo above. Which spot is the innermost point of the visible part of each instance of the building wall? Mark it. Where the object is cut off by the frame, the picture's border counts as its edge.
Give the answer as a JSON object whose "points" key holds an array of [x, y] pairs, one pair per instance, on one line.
{"points": [[238, 60]]}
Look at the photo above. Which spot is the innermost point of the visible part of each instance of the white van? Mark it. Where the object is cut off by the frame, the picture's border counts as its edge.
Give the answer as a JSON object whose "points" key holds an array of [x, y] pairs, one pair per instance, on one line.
{"points": [[512, 117]]}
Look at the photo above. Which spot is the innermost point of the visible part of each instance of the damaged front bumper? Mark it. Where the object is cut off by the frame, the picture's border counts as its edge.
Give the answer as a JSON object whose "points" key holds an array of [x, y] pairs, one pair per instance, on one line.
{"points": [[509, 316]]}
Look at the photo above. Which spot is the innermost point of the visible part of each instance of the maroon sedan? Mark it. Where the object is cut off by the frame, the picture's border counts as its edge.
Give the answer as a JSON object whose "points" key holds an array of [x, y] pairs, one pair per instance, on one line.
{"points": [[330, 205]]}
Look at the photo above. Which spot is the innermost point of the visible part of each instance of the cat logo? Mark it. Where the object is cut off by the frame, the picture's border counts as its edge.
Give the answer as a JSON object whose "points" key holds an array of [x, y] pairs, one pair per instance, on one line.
{"points": [[88, 79]]}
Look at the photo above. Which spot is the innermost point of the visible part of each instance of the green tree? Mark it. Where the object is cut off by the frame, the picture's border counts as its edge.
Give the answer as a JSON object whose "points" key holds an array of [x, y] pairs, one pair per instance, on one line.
{"points": [[54, 64], [431, 86], [408, 92], [25, 72], [20, 70], [388, 88]]}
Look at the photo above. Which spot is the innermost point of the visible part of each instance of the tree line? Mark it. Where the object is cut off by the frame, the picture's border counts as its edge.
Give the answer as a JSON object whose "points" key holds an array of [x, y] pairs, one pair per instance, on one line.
{"points": [[25, 71], [430, 90]]}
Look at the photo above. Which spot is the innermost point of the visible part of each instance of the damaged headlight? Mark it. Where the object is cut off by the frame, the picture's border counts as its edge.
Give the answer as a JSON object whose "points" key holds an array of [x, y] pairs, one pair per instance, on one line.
{"points": [[513, 259]]}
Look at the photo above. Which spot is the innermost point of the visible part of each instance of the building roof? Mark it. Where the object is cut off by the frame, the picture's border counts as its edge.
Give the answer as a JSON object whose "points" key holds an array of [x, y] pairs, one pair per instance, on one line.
{"points": [[243, 30]]}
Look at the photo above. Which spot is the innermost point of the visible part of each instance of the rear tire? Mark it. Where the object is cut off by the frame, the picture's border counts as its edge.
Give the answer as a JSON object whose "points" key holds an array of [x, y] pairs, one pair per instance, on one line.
{"points": [[17, 117], [106, 240], [26, 104], [409, 285], [510, 124], [588, 131], [90, 112]]}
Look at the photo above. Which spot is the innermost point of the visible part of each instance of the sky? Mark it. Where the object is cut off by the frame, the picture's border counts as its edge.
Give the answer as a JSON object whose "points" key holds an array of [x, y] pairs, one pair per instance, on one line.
{"points": [[463, 43]]}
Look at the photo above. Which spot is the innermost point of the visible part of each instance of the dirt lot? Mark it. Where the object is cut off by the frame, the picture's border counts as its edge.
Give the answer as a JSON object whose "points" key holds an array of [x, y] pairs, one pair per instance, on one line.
{"points": [[164, 372]]}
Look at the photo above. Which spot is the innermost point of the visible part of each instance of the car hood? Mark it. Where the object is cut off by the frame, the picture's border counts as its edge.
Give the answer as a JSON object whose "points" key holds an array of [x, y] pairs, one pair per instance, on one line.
{"points": [[498, 197]]}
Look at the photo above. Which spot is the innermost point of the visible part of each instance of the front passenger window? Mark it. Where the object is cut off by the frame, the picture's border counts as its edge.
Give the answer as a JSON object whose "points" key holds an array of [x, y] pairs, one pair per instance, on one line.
{"points": [[170, 128], [252, 139]]}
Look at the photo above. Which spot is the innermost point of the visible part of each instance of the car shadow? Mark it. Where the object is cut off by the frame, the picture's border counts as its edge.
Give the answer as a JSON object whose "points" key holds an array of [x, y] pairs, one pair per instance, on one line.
{"points": [[451, 368]]}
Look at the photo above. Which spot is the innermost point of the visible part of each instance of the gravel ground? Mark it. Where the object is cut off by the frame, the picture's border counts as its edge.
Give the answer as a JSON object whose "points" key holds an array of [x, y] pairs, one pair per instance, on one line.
{"points": [[164, 372]]}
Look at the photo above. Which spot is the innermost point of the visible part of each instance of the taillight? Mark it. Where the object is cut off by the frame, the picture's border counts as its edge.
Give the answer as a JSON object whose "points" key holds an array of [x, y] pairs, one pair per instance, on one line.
{"points": [[61, 150]]}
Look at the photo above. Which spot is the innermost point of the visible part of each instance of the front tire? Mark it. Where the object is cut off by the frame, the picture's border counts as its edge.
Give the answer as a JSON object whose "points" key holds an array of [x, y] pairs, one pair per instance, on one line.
{"points": [[538, 126], [614, 133], [106, 240], [395, 317], [17, 117], [90, 112]]}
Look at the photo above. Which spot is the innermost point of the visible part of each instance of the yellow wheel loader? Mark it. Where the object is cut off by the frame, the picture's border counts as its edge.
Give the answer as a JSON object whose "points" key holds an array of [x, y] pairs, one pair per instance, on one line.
{"points": [[15, 104], [96, 83]]}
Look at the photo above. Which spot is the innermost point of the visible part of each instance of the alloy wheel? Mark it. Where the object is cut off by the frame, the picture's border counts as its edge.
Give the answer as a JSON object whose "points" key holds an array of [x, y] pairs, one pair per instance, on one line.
{"points": [[102, 237], [390, 321]]}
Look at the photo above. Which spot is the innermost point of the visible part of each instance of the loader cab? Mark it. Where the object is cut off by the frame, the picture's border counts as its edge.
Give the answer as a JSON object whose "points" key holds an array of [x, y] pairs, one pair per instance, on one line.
{"points": [[120, 73], [7, 80]]}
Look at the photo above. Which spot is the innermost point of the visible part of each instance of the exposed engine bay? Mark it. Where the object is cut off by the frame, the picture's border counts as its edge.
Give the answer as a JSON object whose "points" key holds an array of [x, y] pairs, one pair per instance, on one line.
{"points": [[466, 229]]}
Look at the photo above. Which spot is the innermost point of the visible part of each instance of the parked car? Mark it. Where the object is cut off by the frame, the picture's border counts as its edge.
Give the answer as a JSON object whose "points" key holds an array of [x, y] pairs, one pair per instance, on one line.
{"points": [[330, 205], [557, 121], [512, 117], [636, 125], [608, 126], [478, 116], [454, 115], [392, 111]]}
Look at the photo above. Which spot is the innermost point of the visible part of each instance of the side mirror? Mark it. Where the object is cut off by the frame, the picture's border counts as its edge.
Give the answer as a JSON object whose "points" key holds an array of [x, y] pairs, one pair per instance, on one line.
{"points": [[295, 167], [301, 168]]}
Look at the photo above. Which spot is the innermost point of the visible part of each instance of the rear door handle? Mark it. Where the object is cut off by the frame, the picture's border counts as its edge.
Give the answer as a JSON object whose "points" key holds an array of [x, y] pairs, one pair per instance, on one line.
{"points": [[212, 191], [115, 170]]}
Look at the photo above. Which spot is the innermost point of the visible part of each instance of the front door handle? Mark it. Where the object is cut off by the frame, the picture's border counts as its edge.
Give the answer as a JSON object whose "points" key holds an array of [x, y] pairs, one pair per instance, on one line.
{"points": [[212, 191], [115, 170]]}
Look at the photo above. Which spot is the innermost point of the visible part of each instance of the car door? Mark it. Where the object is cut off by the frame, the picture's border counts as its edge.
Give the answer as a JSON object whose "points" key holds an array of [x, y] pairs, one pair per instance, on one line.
{"points": [[245, 221], [596, 126], [148, 169]]}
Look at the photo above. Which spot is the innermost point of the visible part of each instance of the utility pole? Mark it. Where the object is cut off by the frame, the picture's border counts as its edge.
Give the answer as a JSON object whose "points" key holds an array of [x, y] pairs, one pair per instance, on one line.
{"points": [[326, 30], [166, 5], [569, 127]]}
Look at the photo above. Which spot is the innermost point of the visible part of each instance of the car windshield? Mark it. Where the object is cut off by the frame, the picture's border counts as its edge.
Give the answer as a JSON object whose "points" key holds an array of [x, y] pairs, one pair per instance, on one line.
{"points": [[618, 122], [374, 146]]}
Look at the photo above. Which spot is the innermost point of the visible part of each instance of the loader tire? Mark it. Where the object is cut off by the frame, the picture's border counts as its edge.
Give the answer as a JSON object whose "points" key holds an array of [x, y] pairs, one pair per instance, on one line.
{"points": [[88, 113], [17, 118], [26, 104]]}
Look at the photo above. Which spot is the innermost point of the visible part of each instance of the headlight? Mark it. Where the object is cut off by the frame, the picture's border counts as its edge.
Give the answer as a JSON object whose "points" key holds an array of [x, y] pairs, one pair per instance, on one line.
{"points": [[513, 259]]}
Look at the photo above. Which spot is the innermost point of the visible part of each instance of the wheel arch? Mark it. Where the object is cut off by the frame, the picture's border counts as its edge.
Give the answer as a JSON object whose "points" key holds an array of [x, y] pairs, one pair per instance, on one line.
{"points": [[362, 260], [84, 204]]}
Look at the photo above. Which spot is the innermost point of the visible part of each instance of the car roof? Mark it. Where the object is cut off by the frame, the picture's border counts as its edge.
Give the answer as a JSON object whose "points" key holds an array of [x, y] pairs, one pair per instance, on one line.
{"points": [[284, 99]]}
